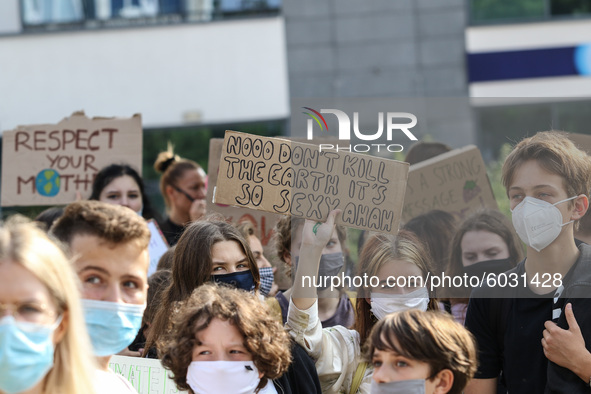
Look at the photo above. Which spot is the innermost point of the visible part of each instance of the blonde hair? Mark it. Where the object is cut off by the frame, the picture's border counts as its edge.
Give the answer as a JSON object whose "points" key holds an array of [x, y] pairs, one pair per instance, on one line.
{"points": [[172, 167], [557, 154], [21, 242], [377, 251]]}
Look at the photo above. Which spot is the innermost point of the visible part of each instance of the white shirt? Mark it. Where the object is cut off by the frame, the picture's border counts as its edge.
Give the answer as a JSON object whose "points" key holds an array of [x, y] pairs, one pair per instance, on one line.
{"points": [[112, 383], [336, 350]]}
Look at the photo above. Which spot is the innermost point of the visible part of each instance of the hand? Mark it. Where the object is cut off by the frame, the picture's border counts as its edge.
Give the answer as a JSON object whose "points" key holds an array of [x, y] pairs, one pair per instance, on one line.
{"points": [[317, 234], [131, 353], [567, 347], [198, 209]]}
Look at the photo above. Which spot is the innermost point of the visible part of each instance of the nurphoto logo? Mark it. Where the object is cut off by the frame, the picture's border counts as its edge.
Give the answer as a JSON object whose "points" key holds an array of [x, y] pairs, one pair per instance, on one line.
{"points": [[391, 124]]}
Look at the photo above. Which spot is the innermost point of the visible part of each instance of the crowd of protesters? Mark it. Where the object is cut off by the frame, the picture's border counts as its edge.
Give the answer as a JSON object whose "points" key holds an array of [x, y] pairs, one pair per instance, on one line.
{"points": [[74, 291]]}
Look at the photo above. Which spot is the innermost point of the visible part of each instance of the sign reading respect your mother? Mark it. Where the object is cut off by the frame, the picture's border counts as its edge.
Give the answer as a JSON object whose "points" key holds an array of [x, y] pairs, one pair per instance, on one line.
{"points": [[293, 178], [49, 164]]}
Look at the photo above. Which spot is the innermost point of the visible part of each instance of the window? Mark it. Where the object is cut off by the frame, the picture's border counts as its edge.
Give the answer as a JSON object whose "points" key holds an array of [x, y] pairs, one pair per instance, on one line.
{"points": [[63, 14], [508, 11]]}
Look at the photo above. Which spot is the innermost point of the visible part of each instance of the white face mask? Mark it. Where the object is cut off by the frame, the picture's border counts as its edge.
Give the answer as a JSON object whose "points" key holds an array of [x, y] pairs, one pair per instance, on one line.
{"points": [[537, 222], [384, 303], [206, 377], [413, 386]]}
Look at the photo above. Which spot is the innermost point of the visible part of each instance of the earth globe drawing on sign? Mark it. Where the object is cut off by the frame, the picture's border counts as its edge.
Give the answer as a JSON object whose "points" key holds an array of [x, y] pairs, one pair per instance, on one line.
{"points": [[48, 182]]}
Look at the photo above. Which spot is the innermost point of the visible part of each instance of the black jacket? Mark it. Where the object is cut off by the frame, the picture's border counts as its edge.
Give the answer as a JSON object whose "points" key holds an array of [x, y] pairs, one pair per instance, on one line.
{"points": [[301, 377]]}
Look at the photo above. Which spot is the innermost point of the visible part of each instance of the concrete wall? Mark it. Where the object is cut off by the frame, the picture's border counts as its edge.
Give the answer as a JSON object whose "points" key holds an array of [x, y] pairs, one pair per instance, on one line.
{"points": [[382, 48], [211, 72]]}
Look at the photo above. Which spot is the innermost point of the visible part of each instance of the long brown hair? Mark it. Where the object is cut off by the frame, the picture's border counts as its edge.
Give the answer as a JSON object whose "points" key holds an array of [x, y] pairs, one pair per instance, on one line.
{"points": [[192, 265], [489, 220], [378, 250]]}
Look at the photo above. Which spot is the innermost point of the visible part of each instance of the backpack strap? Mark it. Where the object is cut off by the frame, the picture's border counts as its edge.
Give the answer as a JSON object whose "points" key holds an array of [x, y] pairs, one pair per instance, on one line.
{"points": [[358, 377]]}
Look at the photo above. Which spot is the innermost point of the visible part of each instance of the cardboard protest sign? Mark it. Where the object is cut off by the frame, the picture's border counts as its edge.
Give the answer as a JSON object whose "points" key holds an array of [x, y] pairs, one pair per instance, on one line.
{"points": [[455, 182], [263, 222], [147, 375], [157, 246], [47, 164], [287, 177], [582, 141]]}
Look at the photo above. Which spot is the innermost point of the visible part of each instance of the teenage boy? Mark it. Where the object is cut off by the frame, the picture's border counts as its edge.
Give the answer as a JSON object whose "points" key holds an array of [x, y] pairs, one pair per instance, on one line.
{"points": [[547, 181], [420, 352], [109, 247]]}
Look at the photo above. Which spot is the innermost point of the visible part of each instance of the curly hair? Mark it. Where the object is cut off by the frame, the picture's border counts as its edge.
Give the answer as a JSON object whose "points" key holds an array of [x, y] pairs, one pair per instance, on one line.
{"points": [[432, 337], [192, 266], [113, 223], [264, 338]]}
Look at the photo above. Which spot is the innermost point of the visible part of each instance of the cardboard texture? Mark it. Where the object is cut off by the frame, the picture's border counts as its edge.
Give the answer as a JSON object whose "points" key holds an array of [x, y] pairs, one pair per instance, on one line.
{"points": [[455, 182], [47, 164], [147, 375], [582, 141], [286, 177], [264, 222]]}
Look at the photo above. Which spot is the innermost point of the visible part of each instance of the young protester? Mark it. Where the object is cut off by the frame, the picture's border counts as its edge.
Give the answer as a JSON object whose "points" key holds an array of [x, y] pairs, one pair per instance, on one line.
{"points": [[44, 347], [436, 229], [120, 184], [420, 352], [337, 350], [484, 244], [214, 251], [268, 288], [157, 282], [334, 305], [183, 186], [224, 341], [547, 180], [208, 250], [109, 247]]}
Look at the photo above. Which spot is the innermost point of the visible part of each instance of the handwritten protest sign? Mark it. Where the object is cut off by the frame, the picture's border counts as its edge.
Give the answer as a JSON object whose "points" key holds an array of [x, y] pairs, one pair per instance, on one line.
{"points": [[147, 375], [286, 177], [47, 164], [263, 222], [455, 182], [157, 246]]}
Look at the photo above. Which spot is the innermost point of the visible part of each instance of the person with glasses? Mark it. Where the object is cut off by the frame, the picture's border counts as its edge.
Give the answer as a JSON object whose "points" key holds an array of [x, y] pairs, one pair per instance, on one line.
{"points": [[183, 186], [44, 347]]}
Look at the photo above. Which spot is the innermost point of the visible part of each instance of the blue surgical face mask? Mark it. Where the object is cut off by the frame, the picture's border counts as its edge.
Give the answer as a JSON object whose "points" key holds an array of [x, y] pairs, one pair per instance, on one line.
{"points": [[240, 280], [112, 326], [26, 353], [266, 276]]}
